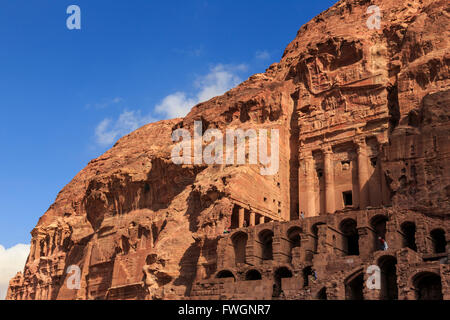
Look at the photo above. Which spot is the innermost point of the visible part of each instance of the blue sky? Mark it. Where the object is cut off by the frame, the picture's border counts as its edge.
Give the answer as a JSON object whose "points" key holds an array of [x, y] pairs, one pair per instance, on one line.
{"points": [[67, 95]]}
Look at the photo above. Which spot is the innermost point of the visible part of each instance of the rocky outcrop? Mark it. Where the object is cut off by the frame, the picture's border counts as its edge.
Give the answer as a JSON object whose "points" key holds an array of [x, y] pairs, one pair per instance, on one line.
{"points": [[358, 110]]}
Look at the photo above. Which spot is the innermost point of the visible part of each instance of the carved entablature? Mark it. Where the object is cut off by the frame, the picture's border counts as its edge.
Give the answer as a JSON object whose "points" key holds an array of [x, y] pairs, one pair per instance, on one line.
{"points": [[344, 86]]}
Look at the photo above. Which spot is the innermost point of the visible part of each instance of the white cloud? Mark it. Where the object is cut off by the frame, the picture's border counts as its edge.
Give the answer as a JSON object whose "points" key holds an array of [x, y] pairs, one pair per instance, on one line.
{"points": [[262, 55], [220, 79], [108, 131], [175, 105], [12, 260]]}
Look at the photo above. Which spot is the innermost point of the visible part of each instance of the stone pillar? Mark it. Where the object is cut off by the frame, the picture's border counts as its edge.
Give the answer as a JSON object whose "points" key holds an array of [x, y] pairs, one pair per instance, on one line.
{"points": [[32, 250], [251, 251], [393, 237], [310, 197], [252, 218], [330, 201], [261, 220], [277, 246], [306, 248], [424, 243], [385, 193], [38, 248], [322, 245], [365, 242], [46, 246], [445, 276], [241, 217], [363, 173]]}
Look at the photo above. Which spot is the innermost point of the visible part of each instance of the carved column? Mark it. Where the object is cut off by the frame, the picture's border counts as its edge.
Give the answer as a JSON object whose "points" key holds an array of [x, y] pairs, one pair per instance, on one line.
{"points": [[261, 220], [32, 250], [252, 218], [322, 245], [251, 257], [330, 202], [363, 173], [37, 254], [365, 242], [241, 217], [385, 194], [308, 175]]}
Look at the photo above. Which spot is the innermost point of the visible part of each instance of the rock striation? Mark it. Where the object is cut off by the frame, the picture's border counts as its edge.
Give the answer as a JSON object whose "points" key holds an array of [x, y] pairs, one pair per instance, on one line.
{"points": [[363, 119]]}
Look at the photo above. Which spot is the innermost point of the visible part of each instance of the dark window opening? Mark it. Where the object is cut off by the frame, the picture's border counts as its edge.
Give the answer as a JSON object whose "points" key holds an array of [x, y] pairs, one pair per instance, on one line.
{"points": [[389, 289], [409, 235], [350, 237], [428, 287], [348, 198], [354, 288], [266, 239], [280, 274], [306, 273], [379, 224], [239, 243], [373, 162], [320, 173], [294, 238], [253, 275], [235, 218], [225, 274], [439, 242]]}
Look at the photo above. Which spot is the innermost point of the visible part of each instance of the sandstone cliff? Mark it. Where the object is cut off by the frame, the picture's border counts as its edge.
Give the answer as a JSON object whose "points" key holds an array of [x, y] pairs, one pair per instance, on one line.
{"points": [[133, 219]]}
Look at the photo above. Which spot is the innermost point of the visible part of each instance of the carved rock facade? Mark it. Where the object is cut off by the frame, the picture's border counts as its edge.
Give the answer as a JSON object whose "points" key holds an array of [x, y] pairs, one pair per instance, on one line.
{"points": [[364, 124]]}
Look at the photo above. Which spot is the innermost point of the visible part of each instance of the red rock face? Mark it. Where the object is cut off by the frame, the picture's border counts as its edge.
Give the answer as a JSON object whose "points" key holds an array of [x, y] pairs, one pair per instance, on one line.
{"points": [[364, 123]]}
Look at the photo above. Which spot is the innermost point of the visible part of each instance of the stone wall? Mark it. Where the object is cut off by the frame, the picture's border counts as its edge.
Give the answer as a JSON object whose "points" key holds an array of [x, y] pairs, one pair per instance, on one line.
{"points": [[408, 270]]}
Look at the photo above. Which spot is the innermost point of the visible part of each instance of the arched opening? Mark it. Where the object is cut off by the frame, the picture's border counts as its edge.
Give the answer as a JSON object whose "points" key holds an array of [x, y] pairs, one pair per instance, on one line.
{"points": [[280, 273], [266, 239], [439, 242], [350, 237], [428, 286], [389, 289], [315, 232], [378, 224], [252, 275], [409, 235], [224, 274], [239, 244], [294, 236], [307, 272], [354, 287], [322, 295]]}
